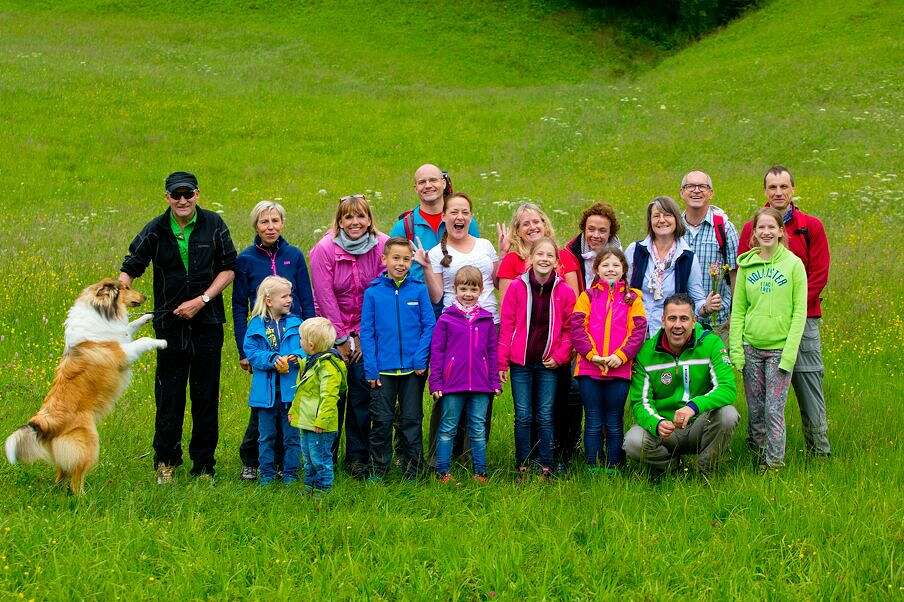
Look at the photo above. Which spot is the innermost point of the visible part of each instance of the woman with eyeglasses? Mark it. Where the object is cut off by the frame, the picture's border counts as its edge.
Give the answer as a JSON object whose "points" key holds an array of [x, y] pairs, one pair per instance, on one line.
{"points": [[268, 255], [343, 263], [663, 264]]}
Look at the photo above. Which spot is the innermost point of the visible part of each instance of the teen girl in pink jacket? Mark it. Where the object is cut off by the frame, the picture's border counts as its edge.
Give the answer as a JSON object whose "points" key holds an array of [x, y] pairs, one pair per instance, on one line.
{"points": [[534, 340]]}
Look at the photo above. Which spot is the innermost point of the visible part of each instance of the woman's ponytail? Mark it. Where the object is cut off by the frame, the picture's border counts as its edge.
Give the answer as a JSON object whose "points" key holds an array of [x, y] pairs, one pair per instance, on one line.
{"points": [[447, 259]]}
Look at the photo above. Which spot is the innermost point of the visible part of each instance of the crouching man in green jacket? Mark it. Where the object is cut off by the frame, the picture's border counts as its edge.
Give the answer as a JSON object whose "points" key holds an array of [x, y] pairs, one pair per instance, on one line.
{"points": [[682, 389]]}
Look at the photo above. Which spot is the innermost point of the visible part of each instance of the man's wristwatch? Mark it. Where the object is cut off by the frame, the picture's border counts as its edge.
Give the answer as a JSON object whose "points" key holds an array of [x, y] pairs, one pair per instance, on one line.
{"points": [[205, 298]]}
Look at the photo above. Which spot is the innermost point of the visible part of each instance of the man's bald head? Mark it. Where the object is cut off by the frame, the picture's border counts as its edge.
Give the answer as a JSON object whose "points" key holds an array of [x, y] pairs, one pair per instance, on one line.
{"points": [[430, 185]]}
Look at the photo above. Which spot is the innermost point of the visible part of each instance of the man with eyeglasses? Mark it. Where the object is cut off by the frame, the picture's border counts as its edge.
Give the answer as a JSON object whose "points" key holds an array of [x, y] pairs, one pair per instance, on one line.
{"points": [[194, 259], [425, 222], [714, 240], [806, 238]]}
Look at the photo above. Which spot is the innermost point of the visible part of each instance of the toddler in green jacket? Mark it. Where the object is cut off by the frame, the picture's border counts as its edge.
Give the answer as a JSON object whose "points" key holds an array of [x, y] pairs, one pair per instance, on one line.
{"points": [[322, 378], [768, 313]]}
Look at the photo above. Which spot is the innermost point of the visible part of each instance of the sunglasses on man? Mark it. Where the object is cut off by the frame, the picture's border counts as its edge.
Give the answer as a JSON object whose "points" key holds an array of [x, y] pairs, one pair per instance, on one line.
{"points": [[182, 193]]}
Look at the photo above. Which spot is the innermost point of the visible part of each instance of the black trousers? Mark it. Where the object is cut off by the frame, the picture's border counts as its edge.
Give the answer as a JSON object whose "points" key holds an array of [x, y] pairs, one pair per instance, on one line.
{"points": [[408, 390], [354, 416], [192, 358], [568, 411], [249, 446]]}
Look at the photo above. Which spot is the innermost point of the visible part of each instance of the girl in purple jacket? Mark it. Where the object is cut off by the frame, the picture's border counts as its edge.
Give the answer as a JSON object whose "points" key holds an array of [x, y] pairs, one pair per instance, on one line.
{"points": [[463, 371], [534, 340]]}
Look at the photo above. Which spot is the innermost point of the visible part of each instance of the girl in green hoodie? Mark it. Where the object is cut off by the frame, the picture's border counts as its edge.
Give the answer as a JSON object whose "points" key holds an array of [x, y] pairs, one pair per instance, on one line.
{"points": [[768, 313]]}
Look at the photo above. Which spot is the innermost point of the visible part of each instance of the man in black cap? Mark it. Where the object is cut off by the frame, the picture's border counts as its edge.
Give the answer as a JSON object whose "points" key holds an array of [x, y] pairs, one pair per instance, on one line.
{"points": [[193, 259]]}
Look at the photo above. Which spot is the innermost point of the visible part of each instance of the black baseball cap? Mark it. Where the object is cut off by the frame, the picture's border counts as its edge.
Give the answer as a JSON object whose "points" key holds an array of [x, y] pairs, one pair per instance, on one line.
{"points": [[180, 179]]}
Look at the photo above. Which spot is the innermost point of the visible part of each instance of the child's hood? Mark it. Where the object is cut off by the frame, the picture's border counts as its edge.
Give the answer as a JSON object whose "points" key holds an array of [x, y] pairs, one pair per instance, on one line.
{"points": [[256, 326], [309, 364], [455, 313], [752, 257]]}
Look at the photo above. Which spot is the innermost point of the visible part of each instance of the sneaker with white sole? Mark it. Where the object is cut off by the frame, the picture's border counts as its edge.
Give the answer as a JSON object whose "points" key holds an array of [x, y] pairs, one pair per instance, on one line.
{"points": [[249, 473], [164, 473]]}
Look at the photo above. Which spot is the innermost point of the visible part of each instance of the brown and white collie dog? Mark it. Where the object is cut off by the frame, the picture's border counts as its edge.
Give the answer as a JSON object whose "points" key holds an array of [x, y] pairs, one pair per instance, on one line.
{"points": [[92, 374]]}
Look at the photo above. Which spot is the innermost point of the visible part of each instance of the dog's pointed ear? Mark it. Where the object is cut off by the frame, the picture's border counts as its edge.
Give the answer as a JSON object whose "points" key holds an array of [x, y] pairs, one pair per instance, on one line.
{"points": [[108, 287], [106, 295]]}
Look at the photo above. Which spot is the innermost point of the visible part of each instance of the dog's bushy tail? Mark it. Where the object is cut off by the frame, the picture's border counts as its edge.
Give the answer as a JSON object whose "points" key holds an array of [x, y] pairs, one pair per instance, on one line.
{"points": [[24, 445]]}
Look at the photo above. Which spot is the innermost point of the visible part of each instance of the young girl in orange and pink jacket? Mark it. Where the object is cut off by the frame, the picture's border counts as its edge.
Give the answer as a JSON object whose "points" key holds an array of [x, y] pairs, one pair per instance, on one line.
{"points": [[608, 327], [534, 340]]}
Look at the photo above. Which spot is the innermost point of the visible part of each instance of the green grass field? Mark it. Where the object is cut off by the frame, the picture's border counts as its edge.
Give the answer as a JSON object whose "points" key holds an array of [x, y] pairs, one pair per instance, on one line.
{"points": [[519, 100]]}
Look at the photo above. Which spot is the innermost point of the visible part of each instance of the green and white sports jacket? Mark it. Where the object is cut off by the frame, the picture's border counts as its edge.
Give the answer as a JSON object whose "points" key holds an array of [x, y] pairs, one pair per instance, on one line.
{"points": [[701, 377]]}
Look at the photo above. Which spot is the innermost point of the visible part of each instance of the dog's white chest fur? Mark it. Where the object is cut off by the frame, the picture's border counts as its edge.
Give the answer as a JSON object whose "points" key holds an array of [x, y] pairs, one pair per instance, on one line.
{"points": [[84, 323]]}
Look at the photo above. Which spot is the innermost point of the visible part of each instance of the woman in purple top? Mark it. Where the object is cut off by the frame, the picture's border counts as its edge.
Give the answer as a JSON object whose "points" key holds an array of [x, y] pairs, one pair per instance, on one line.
{"points": [[343, 263]]}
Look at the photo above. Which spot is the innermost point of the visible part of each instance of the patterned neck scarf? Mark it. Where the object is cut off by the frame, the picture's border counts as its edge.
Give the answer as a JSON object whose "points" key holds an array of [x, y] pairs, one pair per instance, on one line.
{"points": [[660, 265], [470, 311]]}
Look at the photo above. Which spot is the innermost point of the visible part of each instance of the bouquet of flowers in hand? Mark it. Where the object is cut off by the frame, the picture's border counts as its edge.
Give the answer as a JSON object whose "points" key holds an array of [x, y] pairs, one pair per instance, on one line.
{"points": [[717, 272]]}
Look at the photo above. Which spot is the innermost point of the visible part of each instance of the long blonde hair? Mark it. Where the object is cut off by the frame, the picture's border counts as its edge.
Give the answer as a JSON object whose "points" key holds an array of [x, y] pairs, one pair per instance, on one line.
{"points": [[269, 286], [517, 244]]}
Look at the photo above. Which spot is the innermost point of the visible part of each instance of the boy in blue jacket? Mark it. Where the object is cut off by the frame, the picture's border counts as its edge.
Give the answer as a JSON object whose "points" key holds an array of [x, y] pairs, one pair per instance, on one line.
{"points": [[397, 322]]}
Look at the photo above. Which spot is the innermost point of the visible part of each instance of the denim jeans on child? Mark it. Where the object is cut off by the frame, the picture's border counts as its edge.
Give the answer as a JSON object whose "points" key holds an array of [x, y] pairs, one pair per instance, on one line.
{"points": [[268, 431], [317, 450], [604, 403], [533, 391], [453, 406]]}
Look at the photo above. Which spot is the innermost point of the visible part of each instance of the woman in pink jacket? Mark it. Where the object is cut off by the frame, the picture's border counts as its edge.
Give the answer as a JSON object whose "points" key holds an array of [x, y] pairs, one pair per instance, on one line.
{"points": [[534, 340], [343, 263], [608, 327]]}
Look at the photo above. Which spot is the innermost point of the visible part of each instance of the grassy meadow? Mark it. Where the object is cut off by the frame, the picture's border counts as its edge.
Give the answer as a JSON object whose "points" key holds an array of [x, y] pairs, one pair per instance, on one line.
{"points": [[99, 100]]}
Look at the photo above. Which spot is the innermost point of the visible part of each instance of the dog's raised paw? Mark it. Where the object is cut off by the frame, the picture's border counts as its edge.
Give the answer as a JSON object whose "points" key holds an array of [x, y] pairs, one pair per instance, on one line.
{"points": [[161, 343]]}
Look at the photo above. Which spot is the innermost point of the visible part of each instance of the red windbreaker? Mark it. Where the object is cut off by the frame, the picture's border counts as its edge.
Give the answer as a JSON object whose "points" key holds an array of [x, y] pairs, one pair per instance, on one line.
{"points": [[806, 239]]}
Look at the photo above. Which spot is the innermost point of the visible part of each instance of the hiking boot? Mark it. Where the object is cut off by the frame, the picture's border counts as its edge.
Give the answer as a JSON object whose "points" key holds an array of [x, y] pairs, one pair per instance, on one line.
{"points": [[164, 473], [446, 479], [523, 475], [546, 474], [249, 473], [481, 479]]}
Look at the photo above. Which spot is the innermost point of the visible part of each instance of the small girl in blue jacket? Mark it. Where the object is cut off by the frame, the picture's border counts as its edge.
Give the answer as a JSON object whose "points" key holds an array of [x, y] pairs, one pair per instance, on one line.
{"points": [[272, 347]]}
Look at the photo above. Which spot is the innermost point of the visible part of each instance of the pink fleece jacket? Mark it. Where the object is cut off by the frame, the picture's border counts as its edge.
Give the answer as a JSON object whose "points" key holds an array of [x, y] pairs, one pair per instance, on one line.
{"points": [[515, 322], [339, 280]]}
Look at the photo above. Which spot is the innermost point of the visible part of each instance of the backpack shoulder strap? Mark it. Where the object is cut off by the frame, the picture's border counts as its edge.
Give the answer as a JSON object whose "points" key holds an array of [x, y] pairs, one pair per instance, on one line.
{"points": [[721, 238], [408, 222]]}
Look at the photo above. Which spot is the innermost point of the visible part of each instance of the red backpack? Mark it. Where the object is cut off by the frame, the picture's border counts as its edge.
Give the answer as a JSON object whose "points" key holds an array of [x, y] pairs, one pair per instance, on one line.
{"points": [[719, 225]]}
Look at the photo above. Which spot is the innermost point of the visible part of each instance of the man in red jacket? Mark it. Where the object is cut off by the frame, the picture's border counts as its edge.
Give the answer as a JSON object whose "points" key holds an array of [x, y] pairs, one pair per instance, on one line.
{"points": [[807, 239]]}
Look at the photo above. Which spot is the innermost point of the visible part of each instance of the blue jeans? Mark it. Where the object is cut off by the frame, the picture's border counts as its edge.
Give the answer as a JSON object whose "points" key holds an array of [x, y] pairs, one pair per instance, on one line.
{"points": [[266, 443], [533, 391], [454, 404], [604, 401], [317, 450]]}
